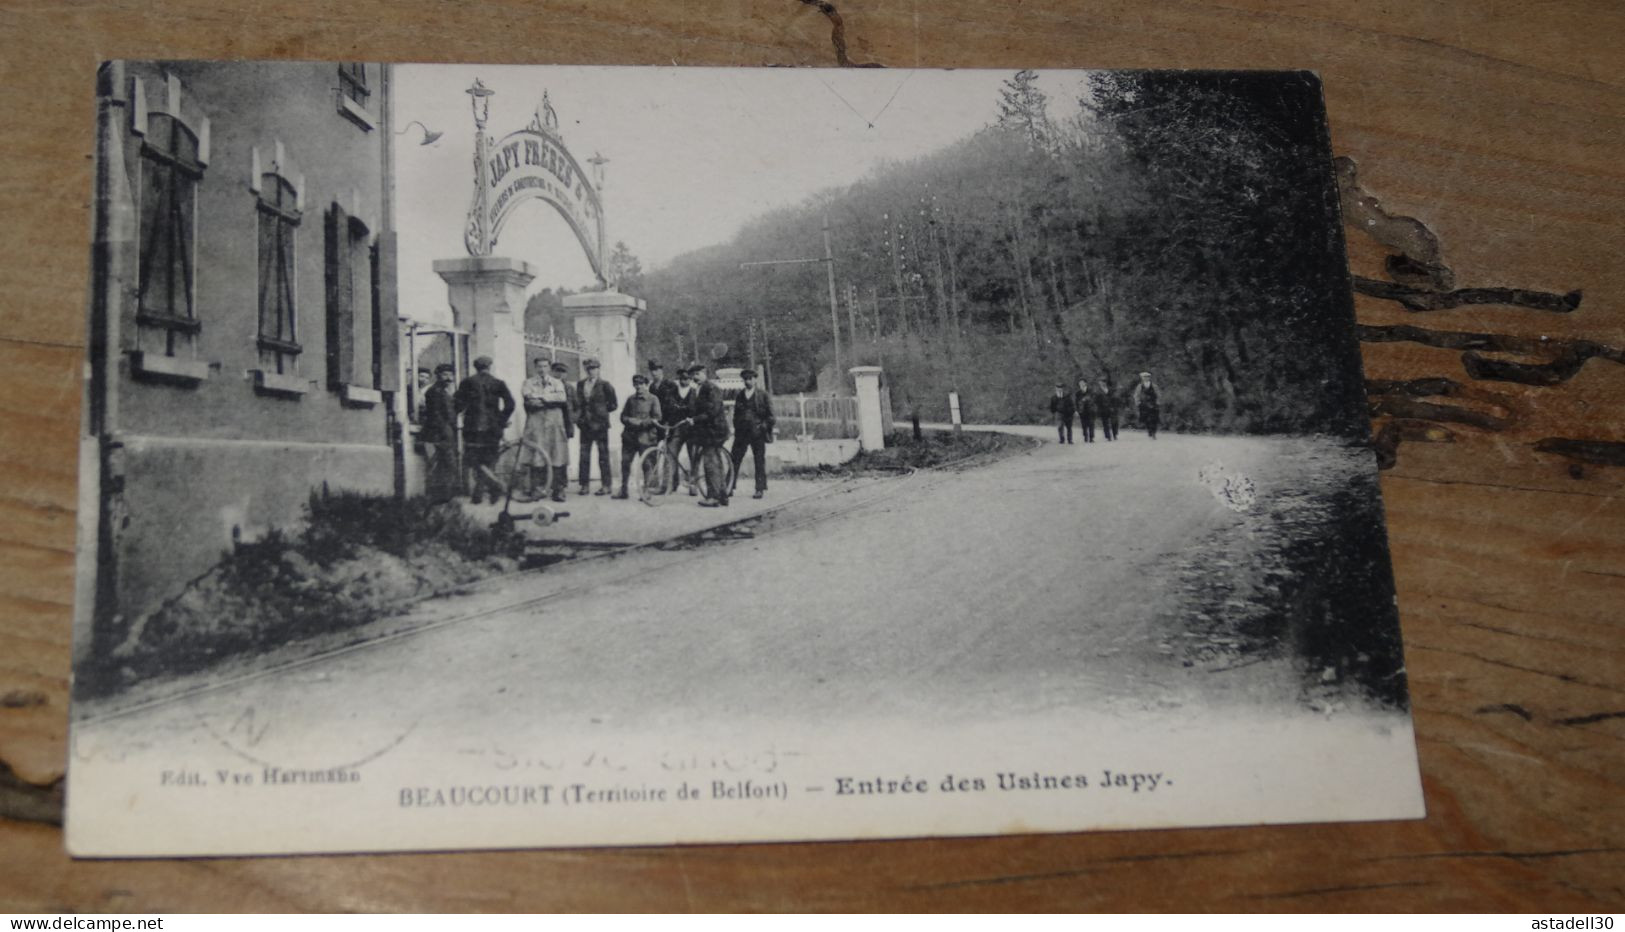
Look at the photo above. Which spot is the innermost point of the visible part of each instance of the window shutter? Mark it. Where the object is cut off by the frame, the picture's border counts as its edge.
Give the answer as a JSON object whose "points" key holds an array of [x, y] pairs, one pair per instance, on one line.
{"points": [[385, 314], [340, 309], [268, 286]]}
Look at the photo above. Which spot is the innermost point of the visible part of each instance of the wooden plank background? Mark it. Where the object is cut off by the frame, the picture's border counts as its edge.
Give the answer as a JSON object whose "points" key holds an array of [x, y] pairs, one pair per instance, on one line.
{"points": [[1497, 126]]}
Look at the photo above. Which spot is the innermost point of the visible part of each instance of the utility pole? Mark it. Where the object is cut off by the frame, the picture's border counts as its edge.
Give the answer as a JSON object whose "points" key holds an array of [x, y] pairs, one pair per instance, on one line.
{"points": [[896, 272], [852, 319], [834, 317], [834, 309], [767, 361]]}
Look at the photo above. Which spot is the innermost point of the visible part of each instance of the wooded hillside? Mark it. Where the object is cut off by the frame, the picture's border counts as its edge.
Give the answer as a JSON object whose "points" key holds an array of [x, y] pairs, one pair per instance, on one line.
{"points": [[1183, 223]]}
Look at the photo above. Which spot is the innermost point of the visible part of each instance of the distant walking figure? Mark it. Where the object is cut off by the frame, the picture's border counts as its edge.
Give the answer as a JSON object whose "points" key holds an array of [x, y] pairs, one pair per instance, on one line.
{"points": [[1145, 401], [1106, 405], [1061, 407], [1084, 401]]}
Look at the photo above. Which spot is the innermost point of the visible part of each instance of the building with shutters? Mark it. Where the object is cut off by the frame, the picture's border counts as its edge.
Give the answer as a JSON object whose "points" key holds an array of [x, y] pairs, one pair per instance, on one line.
{"points": [[243, 336]]}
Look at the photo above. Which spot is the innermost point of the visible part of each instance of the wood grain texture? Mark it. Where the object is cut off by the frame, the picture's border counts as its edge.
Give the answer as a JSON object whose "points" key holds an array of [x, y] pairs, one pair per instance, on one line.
{"points": [[1498, 127]]}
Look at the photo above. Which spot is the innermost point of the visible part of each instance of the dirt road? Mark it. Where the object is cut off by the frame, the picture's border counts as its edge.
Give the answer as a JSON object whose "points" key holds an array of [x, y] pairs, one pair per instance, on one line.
{"points": [[1035, 583], [999, 619]]}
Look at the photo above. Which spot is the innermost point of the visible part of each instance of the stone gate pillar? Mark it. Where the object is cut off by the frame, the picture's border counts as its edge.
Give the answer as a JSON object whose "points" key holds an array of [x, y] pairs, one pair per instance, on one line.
{"points": [[607, 321], [487, 296], [871, 432]]}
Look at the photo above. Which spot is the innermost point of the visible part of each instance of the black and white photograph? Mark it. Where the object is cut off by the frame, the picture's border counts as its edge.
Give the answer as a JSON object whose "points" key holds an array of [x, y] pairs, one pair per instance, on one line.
{"points": [[494, 456]]}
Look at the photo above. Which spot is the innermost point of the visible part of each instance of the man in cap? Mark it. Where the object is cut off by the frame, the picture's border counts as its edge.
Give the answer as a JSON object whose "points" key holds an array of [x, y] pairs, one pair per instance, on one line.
{"points": [[424, 383], [486, 405], [660, 386], [1060, 405], [640, 418], [438, 415], [753, 429], [676, 408], [597, 399], [1145, 404], [549, 422], [710, 432]]}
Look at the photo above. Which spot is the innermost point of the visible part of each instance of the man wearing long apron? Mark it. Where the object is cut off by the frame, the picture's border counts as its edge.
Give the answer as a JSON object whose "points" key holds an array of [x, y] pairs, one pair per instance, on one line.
{"points": [[548, 428]]}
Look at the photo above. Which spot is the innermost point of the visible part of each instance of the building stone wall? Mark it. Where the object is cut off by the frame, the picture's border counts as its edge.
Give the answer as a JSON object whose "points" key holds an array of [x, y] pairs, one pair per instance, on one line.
{"points": [[194, 452]]}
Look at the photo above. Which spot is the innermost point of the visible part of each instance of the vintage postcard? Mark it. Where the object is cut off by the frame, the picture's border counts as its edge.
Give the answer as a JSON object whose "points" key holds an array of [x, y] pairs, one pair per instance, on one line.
{"points": [[497, 456]]}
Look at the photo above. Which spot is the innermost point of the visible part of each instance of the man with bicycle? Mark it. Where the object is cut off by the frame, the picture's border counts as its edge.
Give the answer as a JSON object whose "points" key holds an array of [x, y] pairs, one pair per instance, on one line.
{"points": [[486, 405], [710, 433], [640, 418], [676, 409]]}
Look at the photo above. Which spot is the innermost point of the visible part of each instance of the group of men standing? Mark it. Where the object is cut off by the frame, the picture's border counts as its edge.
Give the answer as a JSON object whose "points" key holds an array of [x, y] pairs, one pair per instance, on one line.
{"points": [[689, 414], [1098, 400]]}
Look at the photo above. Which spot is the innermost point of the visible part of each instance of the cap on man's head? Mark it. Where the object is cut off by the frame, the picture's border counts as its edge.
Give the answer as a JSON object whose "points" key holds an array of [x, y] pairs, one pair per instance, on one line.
{"points": [[560, 367], [747, 373], [655, 364], [640, 379], [423, 371], [1145, 375], [590, 364], [484, 362], [444, 367]]}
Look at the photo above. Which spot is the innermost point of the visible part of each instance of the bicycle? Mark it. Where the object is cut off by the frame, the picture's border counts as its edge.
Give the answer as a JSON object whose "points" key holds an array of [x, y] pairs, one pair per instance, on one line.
{"points": [[657, 470], [724, 471], [515, 460], [660, 471]]}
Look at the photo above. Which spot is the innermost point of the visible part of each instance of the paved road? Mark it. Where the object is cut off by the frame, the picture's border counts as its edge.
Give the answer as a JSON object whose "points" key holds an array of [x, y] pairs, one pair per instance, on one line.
{"points": [[1036, 583]]}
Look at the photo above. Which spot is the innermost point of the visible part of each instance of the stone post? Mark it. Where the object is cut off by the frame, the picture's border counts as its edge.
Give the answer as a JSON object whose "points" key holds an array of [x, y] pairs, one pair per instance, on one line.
{"points": [[487, 296], [870, 433], [607, 321]]}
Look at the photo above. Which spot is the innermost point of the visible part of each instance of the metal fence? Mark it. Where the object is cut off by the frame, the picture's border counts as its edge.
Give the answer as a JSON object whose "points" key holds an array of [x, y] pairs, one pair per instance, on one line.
{"points": [[554, 344], [816, 416]]}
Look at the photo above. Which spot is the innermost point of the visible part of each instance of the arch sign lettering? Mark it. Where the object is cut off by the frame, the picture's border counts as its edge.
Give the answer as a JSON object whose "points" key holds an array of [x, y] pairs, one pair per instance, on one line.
{"points": [[532, 164]]}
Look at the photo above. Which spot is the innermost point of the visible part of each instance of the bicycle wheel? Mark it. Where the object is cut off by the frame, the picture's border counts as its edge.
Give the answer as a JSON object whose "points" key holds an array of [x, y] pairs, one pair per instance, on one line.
{"points": [[506, 470], [684, 474], [723, 472], [514, 465], [650, 470]]}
